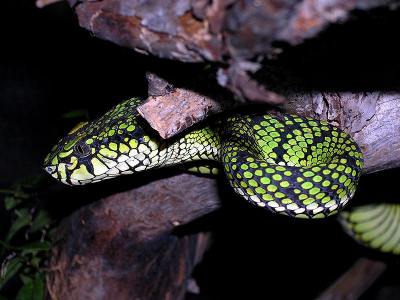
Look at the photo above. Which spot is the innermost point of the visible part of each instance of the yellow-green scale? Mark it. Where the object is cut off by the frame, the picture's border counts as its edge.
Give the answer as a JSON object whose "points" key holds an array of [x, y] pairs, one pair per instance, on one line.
{"points": [[291, 165], [274, 167]]}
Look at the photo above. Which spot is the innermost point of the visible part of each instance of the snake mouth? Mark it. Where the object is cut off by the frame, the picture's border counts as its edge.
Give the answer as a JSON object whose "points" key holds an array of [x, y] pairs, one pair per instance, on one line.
{"points": [[50, 169]]}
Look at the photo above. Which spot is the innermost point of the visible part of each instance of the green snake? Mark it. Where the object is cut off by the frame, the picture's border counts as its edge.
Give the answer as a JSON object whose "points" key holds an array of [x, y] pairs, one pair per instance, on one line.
{"points": [[288, 164]]}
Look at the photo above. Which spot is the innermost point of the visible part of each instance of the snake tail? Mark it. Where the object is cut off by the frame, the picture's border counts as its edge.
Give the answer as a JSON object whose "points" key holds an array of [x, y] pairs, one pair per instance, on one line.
{"points": [[376, 226]]}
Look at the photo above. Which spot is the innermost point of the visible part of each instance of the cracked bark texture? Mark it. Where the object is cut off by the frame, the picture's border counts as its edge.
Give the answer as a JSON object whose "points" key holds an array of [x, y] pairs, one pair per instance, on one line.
{"points": [[221, 30], [236, 33], [124, 246]]}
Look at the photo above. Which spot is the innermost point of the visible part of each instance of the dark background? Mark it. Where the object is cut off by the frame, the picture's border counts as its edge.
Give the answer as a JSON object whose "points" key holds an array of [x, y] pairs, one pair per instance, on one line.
{"points": [[49, 66]]}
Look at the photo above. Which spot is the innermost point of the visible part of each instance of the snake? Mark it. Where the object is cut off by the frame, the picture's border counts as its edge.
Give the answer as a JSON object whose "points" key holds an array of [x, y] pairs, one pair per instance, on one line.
{"points": [[288, 164]]}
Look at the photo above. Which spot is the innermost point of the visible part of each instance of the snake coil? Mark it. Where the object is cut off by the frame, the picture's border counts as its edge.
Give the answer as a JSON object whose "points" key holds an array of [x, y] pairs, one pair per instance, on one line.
{"points": [[291, 165]]}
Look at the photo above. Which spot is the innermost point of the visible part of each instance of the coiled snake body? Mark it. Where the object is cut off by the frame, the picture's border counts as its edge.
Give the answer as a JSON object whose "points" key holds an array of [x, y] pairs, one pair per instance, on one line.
{"points": [[288, 164]]}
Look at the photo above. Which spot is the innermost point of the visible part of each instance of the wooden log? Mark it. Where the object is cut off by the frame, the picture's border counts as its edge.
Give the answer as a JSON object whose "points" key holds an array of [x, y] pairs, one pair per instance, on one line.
{"points": [[124, 246]]}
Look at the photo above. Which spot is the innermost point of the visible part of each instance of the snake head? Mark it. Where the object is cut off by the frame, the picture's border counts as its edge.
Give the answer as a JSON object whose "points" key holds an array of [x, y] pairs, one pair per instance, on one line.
{"points": [[67, 161], [112, 145]]}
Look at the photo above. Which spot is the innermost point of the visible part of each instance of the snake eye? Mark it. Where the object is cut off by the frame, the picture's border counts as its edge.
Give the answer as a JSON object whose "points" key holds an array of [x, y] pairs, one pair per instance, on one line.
{"points": [[82, 149]]}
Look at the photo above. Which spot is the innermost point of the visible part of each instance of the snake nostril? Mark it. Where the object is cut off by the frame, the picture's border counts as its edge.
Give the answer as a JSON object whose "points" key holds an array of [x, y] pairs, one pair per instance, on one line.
{"points": [[50, 169]]}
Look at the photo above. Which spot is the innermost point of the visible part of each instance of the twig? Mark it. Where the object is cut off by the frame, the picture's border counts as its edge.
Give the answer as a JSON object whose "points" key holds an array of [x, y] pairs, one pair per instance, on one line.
{"points": [[43, 3], [355, 281]]}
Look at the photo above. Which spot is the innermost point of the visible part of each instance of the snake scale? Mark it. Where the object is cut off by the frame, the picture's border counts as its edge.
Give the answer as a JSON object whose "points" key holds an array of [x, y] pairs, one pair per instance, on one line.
{"points": [[376, 226], [288, 164]]}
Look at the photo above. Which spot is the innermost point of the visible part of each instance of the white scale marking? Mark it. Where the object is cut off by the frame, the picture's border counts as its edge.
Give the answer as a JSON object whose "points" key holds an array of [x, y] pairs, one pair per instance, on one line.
{"points": [[140, 156], [318, 210], [333, 207], [273, 204], [312, 206], [109, 163], [123, 166], [133, 152], [133, 162], [122, 158], [300, 210], [143, 149], [140, 168], [113, 171], [292, 206]]}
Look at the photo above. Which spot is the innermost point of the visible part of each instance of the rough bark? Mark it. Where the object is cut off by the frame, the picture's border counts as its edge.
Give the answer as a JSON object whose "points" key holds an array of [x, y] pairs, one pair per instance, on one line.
{"points": [[222, 30], [170, 109], [373, 118], [231, 32], [125, 245]]}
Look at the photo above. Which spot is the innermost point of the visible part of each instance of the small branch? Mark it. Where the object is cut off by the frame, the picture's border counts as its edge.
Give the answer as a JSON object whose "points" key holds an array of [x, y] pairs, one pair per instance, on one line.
{"points": [[43, 3], [355, 281]]}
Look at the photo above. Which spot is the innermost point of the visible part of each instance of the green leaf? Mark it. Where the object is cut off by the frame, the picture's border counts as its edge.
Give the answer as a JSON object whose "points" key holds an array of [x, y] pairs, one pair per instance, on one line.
{"points": [[35, 262], [34, 247], [10, 202], [24, 219], [33, 290], [32, 182], [37, 246], [4, 246], [3, 298], [9, 269], [25, 278], [79, 113], [41, 221], [17, 193]]}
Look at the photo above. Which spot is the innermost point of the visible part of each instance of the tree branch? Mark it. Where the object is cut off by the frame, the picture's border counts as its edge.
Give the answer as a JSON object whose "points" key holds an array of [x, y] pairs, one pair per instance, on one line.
{"points": [[231, 32], [125, 246]]}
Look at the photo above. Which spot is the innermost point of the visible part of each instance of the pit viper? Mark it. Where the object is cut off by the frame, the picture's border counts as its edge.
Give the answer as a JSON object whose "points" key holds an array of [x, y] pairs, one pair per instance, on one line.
{"points": [[292, 165]]}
